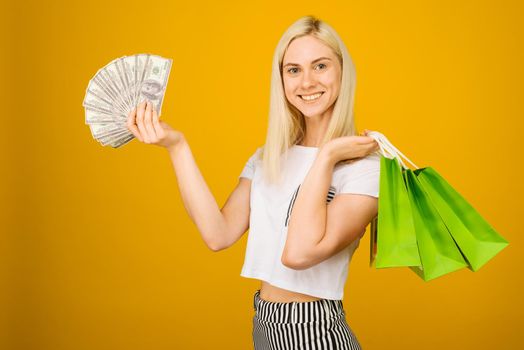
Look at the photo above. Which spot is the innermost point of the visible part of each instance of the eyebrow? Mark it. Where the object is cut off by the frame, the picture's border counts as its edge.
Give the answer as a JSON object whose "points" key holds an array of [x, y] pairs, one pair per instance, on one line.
{"points": [[318, 59]]}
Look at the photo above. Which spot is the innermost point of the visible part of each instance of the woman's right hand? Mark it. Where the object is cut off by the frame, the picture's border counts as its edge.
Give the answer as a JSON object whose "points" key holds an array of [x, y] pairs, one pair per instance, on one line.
{"points": [[147, 127]]}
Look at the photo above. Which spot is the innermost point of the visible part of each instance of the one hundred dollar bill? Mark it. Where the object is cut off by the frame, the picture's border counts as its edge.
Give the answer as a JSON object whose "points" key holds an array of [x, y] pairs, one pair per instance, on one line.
{"points": [[117, 89]]}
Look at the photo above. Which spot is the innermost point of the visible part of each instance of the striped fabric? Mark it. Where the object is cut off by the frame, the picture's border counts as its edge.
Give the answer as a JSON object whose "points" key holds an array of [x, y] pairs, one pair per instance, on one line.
{"points": [[319, 324]]}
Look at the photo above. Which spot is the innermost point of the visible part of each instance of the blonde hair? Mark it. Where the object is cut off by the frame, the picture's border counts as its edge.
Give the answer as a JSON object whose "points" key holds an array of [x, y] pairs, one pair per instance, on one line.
{"points": [[286, 124]]}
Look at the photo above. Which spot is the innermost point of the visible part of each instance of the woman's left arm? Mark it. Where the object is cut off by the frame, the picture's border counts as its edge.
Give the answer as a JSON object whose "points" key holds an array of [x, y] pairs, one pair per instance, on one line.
{"points": [[317, 231]]}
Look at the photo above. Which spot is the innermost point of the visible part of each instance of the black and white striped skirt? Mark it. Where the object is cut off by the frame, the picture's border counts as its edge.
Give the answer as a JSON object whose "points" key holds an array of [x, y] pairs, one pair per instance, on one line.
{"points": [[312, 325]]}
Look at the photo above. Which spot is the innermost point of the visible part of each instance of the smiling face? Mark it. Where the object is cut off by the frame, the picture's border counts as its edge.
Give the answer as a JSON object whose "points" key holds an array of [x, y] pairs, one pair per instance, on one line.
{"points": [[311, 74]]}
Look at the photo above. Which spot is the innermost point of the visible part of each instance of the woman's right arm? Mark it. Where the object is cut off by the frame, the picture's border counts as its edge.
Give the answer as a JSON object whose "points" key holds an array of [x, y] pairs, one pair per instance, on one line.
{"points": [[219, 228]]}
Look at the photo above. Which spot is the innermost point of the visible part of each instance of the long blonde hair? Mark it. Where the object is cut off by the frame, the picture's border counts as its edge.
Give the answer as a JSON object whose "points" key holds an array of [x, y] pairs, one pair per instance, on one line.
{"points": [[286, 124]]}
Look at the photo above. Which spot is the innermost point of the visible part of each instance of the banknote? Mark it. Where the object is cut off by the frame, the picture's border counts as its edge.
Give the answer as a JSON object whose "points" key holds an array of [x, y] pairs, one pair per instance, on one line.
{"points": [[117, 88], [154, 81]]}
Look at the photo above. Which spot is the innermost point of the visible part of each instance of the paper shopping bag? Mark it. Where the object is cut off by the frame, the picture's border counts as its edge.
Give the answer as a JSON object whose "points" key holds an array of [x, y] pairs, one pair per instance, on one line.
{"points": [[393, 239], [439, 254], [476, 238]]}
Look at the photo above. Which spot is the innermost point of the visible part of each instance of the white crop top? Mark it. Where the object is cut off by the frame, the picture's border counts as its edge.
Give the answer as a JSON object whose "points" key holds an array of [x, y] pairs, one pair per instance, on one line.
{"points": [[270, 210]]}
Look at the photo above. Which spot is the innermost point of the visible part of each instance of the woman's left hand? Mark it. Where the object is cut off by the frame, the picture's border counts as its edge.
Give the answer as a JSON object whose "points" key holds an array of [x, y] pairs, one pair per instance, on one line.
{"points": [[350, 147]]}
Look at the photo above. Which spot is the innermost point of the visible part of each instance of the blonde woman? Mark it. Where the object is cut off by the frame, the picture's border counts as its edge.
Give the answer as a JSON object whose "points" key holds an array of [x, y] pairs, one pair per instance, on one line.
{"points": [[306, 195]]}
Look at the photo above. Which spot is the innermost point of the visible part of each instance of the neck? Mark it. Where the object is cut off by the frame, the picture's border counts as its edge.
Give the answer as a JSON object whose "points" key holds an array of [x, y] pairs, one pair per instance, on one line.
{"points": [[316, 127]]}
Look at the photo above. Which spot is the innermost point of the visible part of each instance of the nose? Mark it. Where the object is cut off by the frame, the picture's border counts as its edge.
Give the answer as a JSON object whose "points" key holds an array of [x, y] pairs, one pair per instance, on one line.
{"points": [[308, 79]]}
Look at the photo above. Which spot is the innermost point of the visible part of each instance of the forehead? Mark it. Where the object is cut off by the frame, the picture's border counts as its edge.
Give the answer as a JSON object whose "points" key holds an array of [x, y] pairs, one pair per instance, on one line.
{"points": [[306, 49]]}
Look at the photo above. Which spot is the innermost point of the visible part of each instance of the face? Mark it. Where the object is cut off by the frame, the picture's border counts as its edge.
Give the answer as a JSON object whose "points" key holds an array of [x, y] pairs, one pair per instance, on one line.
{"points": [[311, 74]]}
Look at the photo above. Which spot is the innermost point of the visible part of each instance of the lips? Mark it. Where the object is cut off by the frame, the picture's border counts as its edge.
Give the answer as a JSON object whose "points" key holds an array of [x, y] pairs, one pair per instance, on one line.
{"points": [[321, 92], [311, 97]]}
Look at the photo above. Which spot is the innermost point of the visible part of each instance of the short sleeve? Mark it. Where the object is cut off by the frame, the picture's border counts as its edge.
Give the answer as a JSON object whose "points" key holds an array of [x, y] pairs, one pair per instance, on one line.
{"points": [[249, 168], [361, 177]]}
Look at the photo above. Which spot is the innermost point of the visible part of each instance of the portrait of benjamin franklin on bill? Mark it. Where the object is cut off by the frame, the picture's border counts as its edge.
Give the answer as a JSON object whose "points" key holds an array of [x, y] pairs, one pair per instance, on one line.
{"points": [[152, 89]]}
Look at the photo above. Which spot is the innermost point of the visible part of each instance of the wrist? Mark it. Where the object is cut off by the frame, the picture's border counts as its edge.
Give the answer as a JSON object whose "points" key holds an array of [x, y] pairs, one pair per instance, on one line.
{"points": [[329, 153], [179, 144]]}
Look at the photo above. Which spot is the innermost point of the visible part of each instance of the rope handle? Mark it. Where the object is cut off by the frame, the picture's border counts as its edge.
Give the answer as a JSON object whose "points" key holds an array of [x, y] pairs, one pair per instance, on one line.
{"points": [[388, 150]]}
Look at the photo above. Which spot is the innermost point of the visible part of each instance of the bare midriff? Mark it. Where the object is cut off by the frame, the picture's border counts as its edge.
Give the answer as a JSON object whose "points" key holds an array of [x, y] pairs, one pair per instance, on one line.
{"points": [[274, 294]]}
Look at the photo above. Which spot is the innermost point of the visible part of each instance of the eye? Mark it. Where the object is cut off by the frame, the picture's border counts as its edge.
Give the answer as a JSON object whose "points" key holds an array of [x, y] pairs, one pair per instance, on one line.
{"points": [[322, 65], [292, 70]]}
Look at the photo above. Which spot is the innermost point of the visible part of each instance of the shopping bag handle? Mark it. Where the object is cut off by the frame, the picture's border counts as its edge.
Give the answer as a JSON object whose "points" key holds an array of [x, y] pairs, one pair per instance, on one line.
{"points": [[388, 150]]}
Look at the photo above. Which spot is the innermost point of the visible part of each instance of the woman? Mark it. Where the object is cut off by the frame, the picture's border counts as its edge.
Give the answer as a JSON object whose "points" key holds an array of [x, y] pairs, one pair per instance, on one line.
{"points": [[306, 196]]}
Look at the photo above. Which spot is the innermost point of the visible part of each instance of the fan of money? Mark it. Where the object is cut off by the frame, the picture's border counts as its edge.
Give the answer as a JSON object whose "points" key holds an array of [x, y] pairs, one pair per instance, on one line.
{"points": [[117, 89]]}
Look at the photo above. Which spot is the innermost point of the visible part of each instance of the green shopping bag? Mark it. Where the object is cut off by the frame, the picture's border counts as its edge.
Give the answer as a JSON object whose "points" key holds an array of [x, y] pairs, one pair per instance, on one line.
{"points": [[439, 253], [397, 245], [476, 238], [435, 203]]}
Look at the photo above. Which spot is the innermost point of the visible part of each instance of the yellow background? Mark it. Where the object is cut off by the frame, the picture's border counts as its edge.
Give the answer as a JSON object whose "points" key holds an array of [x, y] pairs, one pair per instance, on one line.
{"points": [[97, 249]]}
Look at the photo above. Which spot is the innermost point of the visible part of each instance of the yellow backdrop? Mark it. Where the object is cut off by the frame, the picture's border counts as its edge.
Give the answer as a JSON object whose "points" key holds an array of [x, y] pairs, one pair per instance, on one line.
{"points": [[98, 251]]}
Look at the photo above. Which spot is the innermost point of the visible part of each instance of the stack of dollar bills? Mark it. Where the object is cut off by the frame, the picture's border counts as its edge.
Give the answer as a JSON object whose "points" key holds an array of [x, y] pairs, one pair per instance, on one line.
{"points": [[117, 89]]}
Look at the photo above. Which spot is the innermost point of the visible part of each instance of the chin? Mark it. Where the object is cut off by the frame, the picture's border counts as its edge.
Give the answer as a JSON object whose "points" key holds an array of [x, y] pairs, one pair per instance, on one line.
{"points": [[312, 112]]}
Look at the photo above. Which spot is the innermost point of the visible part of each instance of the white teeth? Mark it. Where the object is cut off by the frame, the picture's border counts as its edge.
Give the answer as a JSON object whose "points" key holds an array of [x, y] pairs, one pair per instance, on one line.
{"points": [[311, 97]]}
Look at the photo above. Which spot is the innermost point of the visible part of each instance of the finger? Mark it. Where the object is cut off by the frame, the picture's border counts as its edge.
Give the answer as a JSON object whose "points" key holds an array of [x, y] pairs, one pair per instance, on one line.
{"points": [[374, 147], [364, 139], [371, 139], [156, 124], [130, 123], [148, 122], [367, 149], [140, 121]]}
